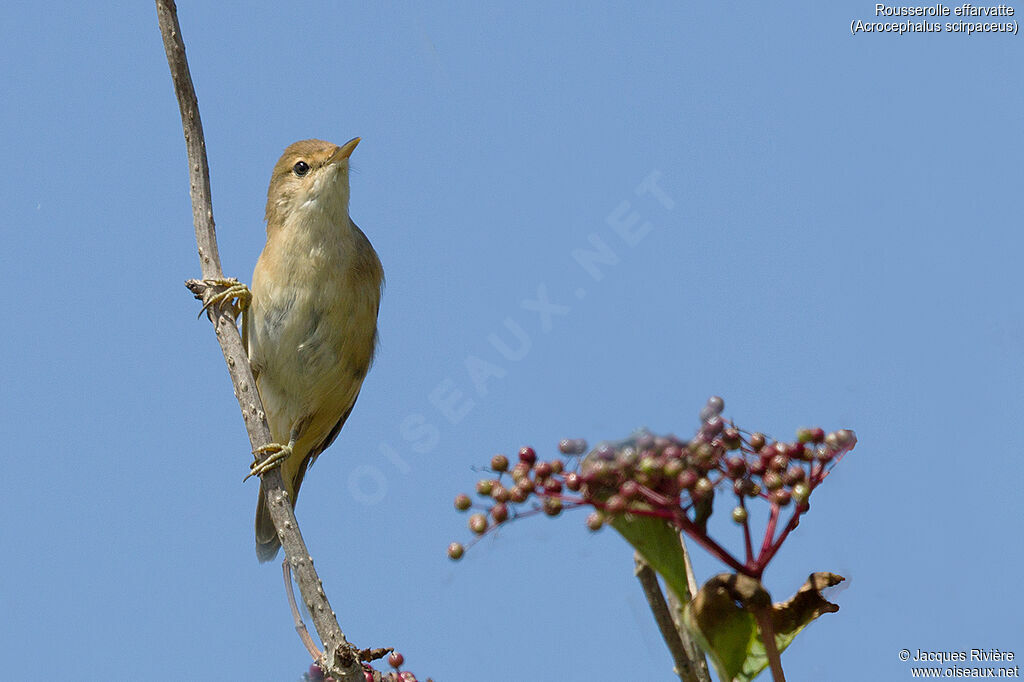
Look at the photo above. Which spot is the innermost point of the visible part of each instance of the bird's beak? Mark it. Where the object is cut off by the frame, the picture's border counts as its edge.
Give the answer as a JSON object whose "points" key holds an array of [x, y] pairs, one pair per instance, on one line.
{"points": [[345, 150]]}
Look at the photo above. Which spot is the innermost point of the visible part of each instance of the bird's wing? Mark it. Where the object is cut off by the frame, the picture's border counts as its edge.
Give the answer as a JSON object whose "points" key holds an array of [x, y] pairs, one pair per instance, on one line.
{"points": [[315, 452]]}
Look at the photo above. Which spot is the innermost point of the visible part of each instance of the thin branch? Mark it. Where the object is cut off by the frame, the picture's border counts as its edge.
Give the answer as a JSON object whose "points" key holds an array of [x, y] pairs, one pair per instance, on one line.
{"points": [[300, 625], [676, 604], [763, 615], [656, 600], [341, 659]]}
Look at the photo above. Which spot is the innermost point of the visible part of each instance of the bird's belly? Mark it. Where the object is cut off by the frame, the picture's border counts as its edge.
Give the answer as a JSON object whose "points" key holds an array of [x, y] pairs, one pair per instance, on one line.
{"points": [[312, 347]]}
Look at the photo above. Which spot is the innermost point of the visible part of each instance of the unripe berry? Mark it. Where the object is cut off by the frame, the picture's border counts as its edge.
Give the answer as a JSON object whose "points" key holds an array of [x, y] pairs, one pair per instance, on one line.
{"points": [[616, 504], [552, 506], [595, 521], [499, 512], [478, 523], [756, 441], [520, 471], [455, 551], [484, 486], [703, 487], [462, 502], [499, 463], [739, 514]]}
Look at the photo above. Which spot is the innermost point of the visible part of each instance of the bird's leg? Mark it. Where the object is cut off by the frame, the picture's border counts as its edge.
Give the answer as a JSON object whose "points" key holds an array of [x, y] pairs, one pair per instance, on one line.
{"points": [[276, 453], [229, 289]]}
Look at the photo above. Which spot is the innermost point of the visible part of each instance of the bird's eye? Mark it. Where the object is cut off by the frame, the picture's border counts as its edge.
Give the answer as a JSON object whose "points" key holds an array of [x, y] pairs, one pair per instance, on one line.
{"points": [[301, 168]]}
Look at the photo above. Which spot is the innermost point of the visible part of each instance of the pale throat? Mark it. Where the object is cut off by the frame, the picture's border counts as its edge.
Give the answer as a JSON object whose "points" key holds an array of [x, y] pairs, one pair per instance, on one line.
{"points": [[319, 226]]}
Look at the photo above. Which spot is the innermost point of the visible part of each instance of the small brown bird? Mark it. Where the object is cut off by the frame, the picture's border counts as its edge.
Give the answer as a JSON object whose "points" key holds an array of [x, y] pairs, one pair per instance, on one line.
{"points": [[311, 326]]}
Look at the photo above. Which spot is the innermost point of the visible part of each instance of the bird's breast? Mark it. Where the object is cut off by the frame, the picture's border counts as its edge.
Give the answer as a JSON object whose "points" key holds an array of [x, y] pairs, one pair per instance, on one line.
{"points": [[313, 325]]}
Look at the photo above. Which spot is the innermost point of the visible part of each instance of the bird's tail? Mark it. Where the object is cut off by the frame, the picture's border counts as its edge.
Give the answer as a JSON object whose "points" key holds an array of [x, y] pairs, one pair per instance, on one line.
{"points": [[267, 542]]}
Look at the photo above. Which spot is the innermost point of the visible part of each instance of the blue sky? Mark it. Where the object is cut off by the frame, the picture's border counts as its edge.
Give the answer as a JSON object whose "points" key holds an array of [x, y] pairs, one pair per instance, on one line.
{"points": [[838, 244]]}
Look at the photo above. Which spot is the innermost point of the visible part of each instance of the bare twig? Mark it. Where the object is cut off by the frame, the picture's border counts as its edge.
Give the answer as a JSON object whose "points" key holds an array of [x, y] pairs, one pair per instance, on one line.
{"points": [[341, 659], [656, 600], [300, 625], [676, 604]]}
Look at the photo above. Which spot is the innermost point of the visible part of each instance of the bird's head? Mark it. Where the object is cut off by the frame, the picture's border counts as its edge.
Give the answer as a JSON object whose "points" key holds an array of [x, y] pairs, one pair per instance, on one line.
{"points": [[311, 175]]}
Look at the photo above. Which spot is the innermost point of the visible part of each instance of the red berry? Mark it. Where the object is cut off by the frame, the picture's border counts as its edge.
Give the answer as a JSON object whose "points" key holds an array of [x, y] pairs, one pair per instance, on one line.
{"points": [[395, 659], [629, 489], [499, 512], [737, 466], [528, 455], [687, 479]]}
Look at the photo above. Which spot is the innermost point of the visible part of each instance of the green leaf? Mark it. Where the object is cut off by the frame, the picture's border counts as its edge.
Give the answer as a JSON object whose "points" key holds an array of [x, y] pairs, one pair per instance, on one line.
{"points": [[721, 619], [659, 543]]}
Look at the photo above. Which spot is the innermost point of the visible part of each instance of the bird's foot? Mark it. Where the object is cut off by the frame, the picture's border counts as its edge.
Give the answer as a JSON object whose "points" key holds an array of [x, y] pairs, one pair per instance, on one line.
{"points": [[275, 454], [226, 290]]}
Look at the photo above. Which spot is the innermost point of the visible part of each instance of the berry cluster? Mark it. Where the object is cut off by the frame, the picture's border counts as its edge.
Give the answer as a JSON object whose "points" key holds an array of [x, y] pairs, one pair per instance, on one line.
{"points": [[666, 477]]}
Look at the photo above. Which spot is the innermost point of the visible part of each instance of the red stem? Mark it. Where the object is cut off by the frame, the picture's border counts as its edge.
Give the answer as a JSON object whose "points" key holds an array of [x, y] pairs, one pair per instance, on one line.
{"points": [[769, 533], [767, 556], [701, 538], [748, 546]]}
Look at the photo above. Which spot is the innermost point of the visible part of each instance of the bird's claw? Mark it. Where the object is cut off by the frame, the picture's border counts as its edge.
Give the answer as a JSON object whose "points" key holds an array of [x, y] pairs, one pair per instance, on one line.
{"points": [[275, 454], [230, 289]]}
